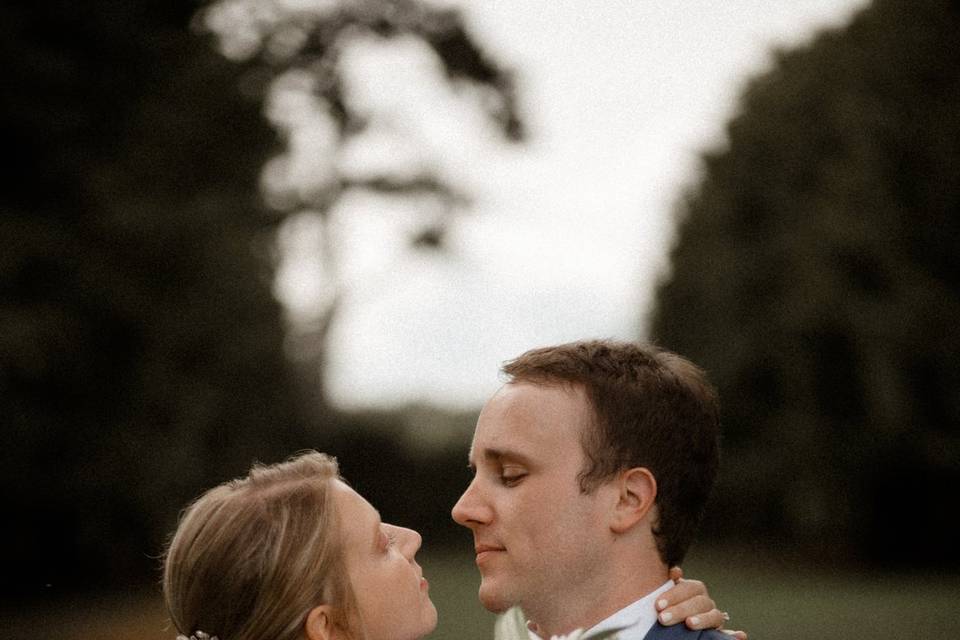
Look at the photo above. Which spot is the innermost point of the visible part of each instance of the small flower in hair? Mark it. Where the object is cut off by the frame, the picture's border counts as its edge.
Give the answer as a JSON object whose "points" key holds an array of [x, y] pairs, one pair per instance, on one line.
{"points": [[197, 635]]}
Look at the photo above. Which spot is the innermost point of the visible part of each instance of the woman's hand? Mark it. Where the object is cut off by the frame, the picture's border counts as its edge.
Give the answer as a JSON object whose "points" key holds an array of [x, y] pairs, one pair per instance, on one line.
{"points": [[689, 601]]}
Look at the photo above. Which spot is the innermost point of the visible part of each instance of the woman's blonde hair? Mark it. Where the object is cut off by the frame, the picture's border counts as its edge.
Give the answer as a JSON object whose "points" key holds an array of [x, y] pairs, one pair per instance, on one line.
{"points": [[251, 557]]}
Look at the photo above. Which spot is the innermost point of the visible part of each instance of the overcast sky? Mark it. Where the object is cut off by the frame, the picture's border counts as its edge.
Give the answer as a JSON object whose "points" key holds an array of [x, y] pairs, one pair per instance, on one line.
{"points": [[568, 233]]}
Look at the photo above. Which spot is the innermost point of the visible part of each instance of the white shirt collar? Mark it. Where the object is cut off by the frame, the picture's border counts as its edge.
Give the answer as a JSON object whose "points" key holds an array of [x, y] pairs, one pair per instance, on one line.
{"points": [[636, 619]]}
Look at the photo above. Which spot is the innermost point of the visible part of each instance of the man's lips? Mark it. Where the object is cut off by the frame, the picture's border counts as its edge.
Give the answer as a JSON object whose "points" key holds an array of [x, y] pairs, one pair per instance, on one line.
{"points": [[484, 551]]}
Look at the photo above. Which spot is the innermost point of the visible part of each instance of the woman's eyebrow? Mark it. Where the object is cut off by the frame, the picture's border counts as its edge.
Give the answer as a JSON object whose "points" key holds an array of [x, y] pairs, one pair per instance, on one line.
{"points": [[377, 522]]}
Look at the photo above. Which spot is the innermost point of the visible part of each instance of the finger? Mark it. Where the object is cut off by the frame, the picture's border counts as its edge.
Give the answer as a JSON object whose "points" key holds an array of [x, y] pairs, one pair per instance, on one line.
{"points": [[681, 591], [739, 635], [676, 574], [712, 619], [701, 606]]}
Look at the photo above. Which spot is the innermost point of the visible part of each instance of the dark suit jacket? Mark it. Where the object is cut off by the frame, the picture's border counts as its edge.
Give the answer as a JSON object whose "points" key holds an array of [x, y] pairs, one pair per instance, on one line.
{"points": [[679, 631]]}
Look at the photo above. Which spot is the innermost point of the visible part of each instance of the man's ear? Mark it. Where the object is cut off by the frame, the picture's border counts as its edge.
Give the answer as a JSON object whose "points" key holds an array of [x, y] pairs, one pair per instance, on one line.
{"points": [[319, 625], [637, 495]]}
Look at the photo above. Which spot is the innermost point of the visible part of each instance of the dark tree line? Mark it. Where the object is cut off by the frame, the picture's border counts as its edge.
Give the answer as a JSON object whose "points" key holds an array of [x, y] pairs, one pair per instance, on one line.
{"points": [[141, 345], [817, 277], [141, 348]]}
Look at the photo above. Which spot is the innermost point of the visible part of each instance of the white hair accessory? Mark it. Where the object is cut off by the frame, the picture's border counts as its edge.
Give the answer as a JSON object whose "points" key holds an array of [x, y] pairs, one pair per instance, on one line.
{"points": [[197, 635]]}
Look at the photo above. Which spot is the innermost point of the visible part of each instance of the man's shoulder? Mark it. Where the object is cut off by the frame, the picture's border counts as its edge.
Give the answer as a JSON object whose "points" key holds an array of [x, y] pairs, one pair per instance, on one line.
{"points": [[678, 631]]}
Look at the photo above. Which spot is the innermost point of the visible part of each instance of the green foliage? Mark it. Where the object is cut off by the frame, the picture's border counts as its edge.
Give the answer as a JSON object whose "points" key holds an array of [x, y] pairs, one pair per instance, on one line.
{"points": [[140, 344], [767, 596], [410, 463], [141, 348], [817, 278]]}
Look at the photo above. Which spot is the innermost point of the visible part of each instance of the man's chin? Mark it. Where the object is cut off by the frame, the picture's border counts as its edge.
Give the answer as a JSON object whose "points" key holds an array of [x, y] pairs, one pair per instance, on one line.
{"points": [[492, 599]]}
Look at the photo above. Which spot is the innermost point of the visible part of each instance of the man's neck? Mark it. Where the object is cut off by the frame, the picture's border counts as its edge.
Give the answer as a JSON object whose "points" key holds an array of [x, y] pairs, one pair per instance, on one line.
{"points": [[584, 606]]}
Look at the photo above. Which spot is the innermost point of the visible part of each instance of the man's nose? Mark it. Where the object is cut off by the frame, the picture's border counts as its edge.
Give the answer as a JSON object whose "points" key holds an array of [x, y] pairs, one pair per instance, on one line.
{"points": [[471, 509]]}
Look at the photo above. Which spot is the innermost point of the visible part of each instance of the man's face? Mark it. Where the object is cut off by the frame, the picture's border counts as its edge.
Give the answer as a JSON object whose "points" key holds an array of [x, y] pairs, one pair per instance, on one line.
{"points": [[537, 536]]}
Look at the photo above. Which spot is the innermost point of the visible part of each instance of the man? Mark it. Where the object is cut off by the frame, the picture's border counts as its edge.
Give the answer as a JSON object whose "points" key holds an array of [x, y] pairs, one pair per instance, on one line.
{"points": [[592, 464]]}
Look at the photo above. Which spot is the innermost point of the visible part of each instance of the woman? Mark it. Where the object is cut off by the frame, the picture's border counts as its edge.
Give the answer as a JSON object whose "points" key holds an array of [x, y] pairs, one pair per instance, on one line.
{"points": [[291, 552]]}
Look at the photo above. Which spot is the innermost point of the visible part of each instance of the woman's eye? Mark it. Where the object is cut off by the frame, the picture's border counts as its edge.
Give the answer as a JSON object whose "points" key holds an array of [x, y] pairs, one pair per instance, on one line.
{"points": [[386, 541]]}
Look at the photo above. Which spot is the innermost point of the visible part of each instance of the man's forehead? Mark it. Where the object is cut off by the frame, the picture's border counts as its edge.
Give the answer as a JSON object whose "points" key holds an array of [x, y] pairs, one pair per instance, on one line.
{"points": [[524, 421]]}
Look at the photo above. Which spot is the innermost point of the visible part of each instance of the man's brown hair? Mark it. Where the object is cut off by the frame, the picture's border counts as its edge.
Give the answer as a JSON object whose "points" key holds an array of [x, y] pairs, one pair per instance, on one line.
{"points": [[651, 408]]}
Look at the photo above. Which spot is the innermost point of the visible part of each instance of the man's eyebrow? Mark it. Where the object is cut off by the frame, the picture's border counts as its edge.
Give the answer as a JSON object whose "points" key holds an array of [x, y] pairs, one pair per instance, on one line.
{"points": [[498, 456], [505, 455]]}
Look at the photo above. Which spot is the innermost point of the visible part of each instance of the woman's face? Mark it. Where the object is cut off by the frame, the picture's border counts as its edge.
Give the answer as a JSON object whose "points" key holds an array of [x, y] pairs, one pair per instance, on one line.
{"points": [[389, 586]]}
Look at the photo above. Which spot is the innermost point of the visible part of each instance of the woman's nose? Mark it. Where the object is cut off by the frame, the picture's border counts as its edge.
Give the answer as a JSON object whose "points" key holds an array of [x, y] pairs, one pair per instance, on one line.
{"points": [[408, 540]]}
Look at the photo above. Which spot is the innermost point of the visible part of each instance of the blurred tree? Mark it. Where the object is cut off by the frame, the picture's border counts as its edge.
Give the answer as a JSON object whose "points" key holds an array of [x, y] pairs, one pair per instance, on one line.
{"points": [[302, 51], [816, 276], [303, 56], [141, 346]]}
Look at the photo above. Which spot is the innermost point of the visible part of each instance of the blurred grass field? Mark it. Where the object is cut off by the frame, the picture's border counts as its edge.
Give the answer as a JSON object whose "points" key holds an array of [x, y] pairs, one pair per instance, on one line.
{"points": [[768, 596]]}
